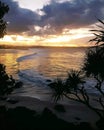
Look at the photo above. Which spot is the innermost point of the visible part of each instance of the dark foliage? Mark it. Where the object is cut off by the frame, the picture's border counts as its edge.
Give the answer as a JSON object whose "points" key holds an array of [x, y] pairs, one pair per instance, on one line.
{"points": [[94, 63], [99, 34], [58, 87], [3, 10], [7, 83], [65, 87], [74, 78]]}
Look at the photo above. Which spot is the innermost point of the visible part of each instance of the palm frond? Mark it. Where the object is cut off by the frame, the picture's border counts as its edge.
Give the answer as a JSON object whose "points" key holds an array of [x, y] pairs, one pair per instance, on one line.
{"points": [[58, 88]]}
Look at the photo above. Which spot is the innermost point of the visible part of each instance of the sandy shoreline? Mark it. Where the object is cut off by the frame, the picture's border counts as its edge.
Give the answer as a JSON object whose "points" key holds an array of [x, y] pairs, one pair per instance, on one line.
{"points": [[74, 113]]}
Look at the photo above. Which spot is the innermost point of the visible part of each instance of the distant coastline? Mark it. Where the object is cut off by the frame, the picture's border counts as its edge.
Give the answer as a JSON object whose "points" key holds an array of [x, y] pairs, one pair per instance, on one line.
{"points": [[27, 47]]}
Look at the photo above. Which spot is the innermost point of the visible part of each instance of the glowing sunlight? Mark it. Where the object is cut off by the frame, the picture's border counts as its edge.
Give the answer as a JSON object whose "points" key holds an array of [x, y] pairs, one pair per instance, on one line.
{"points": [[67, 38]]}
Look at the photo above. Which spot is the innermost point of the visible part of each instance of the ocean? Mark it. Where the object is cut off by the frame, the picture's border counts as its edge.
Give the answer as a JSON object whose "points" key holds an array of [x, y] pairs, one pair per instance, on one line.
{"points": [[35, 67]]}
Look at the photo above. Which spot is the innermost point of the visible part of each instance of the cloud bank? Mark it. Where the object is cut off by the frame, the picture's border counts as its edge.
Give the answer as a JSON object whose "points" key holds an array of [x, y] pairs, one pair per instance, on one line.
{"points": [[19, 19], [57, 16]]}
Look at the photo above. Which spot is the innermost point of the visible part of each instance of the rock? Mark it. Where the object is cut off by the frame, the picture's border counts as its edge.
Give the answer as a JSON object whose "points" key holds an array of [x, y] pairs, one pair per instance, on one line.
{"points": [[59, 108], [48, 80]]}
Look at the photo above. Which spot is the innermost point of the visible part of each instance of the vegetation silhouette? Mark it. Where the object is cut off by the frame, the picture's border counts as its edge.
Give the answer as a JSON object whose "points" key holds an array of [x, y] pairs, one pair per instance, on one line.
{"points": [[7, 83], [73, 86], [3, 10], [99, 34], [94, 64]]}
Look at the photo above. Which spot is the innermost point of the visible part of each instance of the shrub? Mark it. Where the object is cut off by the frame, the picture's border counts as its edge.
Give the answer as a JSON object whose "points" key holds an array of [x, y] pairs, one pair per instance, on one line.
{"points": [[7, 83]]}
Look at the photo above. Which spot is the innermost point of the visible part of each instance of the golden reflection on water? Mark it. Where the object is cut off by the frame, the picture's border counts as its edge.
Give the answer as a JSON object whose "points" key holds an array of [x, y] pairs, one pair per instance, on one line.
{"points": [[9, 60], [50, 63], [54, 63], [57, 64]]}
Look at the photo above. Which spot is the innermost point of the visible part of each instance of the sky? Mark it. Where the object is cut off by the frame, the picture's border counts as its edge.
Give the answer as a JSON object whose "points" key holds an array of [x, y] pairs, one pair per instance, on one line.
{"points": [[51, 22]]}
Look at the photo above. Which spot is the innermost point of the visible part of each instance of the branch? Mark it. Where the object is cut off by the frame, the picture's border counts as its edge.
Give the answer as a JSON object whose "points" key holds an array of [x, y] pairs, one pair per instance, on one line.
{"points": [[85, 101], [74, 99], [101, 102]]}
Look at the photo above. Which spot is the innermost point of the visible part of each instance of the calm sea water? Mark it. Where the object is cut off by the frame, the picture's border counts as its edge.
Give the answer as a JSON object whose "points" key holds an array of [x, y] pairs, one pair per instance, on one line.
{"points": [[35, 66]]}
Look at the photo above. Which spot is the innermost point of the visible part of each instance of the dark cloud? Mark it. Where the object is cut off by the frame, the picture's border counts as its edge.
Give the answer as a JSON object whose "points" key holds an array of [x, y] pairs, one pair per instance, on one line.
{"points": [[57, 16], [72, 14], [19, 19]]}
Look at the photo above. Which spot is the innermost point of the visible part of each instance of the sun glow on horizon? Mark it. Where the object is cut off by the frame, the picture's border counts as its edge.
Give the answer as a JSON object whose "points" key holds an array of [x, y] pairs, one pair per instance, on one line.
{"points": [[7, 39], [58, 39], [64, 39]]}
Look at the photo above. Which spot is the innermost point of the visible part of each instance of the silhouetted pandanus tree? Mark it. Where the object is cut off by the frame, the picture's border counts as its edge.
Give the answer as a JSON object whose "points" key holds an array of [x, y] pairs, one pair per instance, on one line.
{"points": [[73, 89], [94, 61], [73, 86]]}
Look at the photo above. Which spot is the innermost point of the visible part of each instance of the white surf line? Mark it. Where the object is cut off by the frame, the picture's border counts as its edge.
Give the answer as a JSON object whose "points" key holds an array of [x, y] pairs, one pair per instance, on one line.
{"points": [[25, 57]]}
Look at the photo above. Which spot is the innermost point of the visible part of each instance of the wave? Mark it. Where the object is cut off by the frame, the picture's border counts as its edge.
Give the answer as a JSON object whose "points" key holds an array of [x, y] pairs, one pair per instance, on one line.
{"points": [[33, 78], [25, 57]]}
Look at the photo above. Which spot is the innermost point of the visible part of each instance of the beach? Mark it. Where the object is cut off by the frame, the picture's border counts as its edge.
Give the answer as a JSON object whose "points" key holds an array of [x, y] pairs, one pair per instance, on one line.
{"points": [[75, 112]]}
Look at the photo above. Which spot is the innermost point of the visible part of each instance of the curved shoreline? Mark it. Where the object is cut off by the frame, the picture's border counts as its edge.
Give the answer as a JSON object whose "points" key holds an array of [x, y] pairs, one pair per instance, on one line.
{"points": [[73, 111]]}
